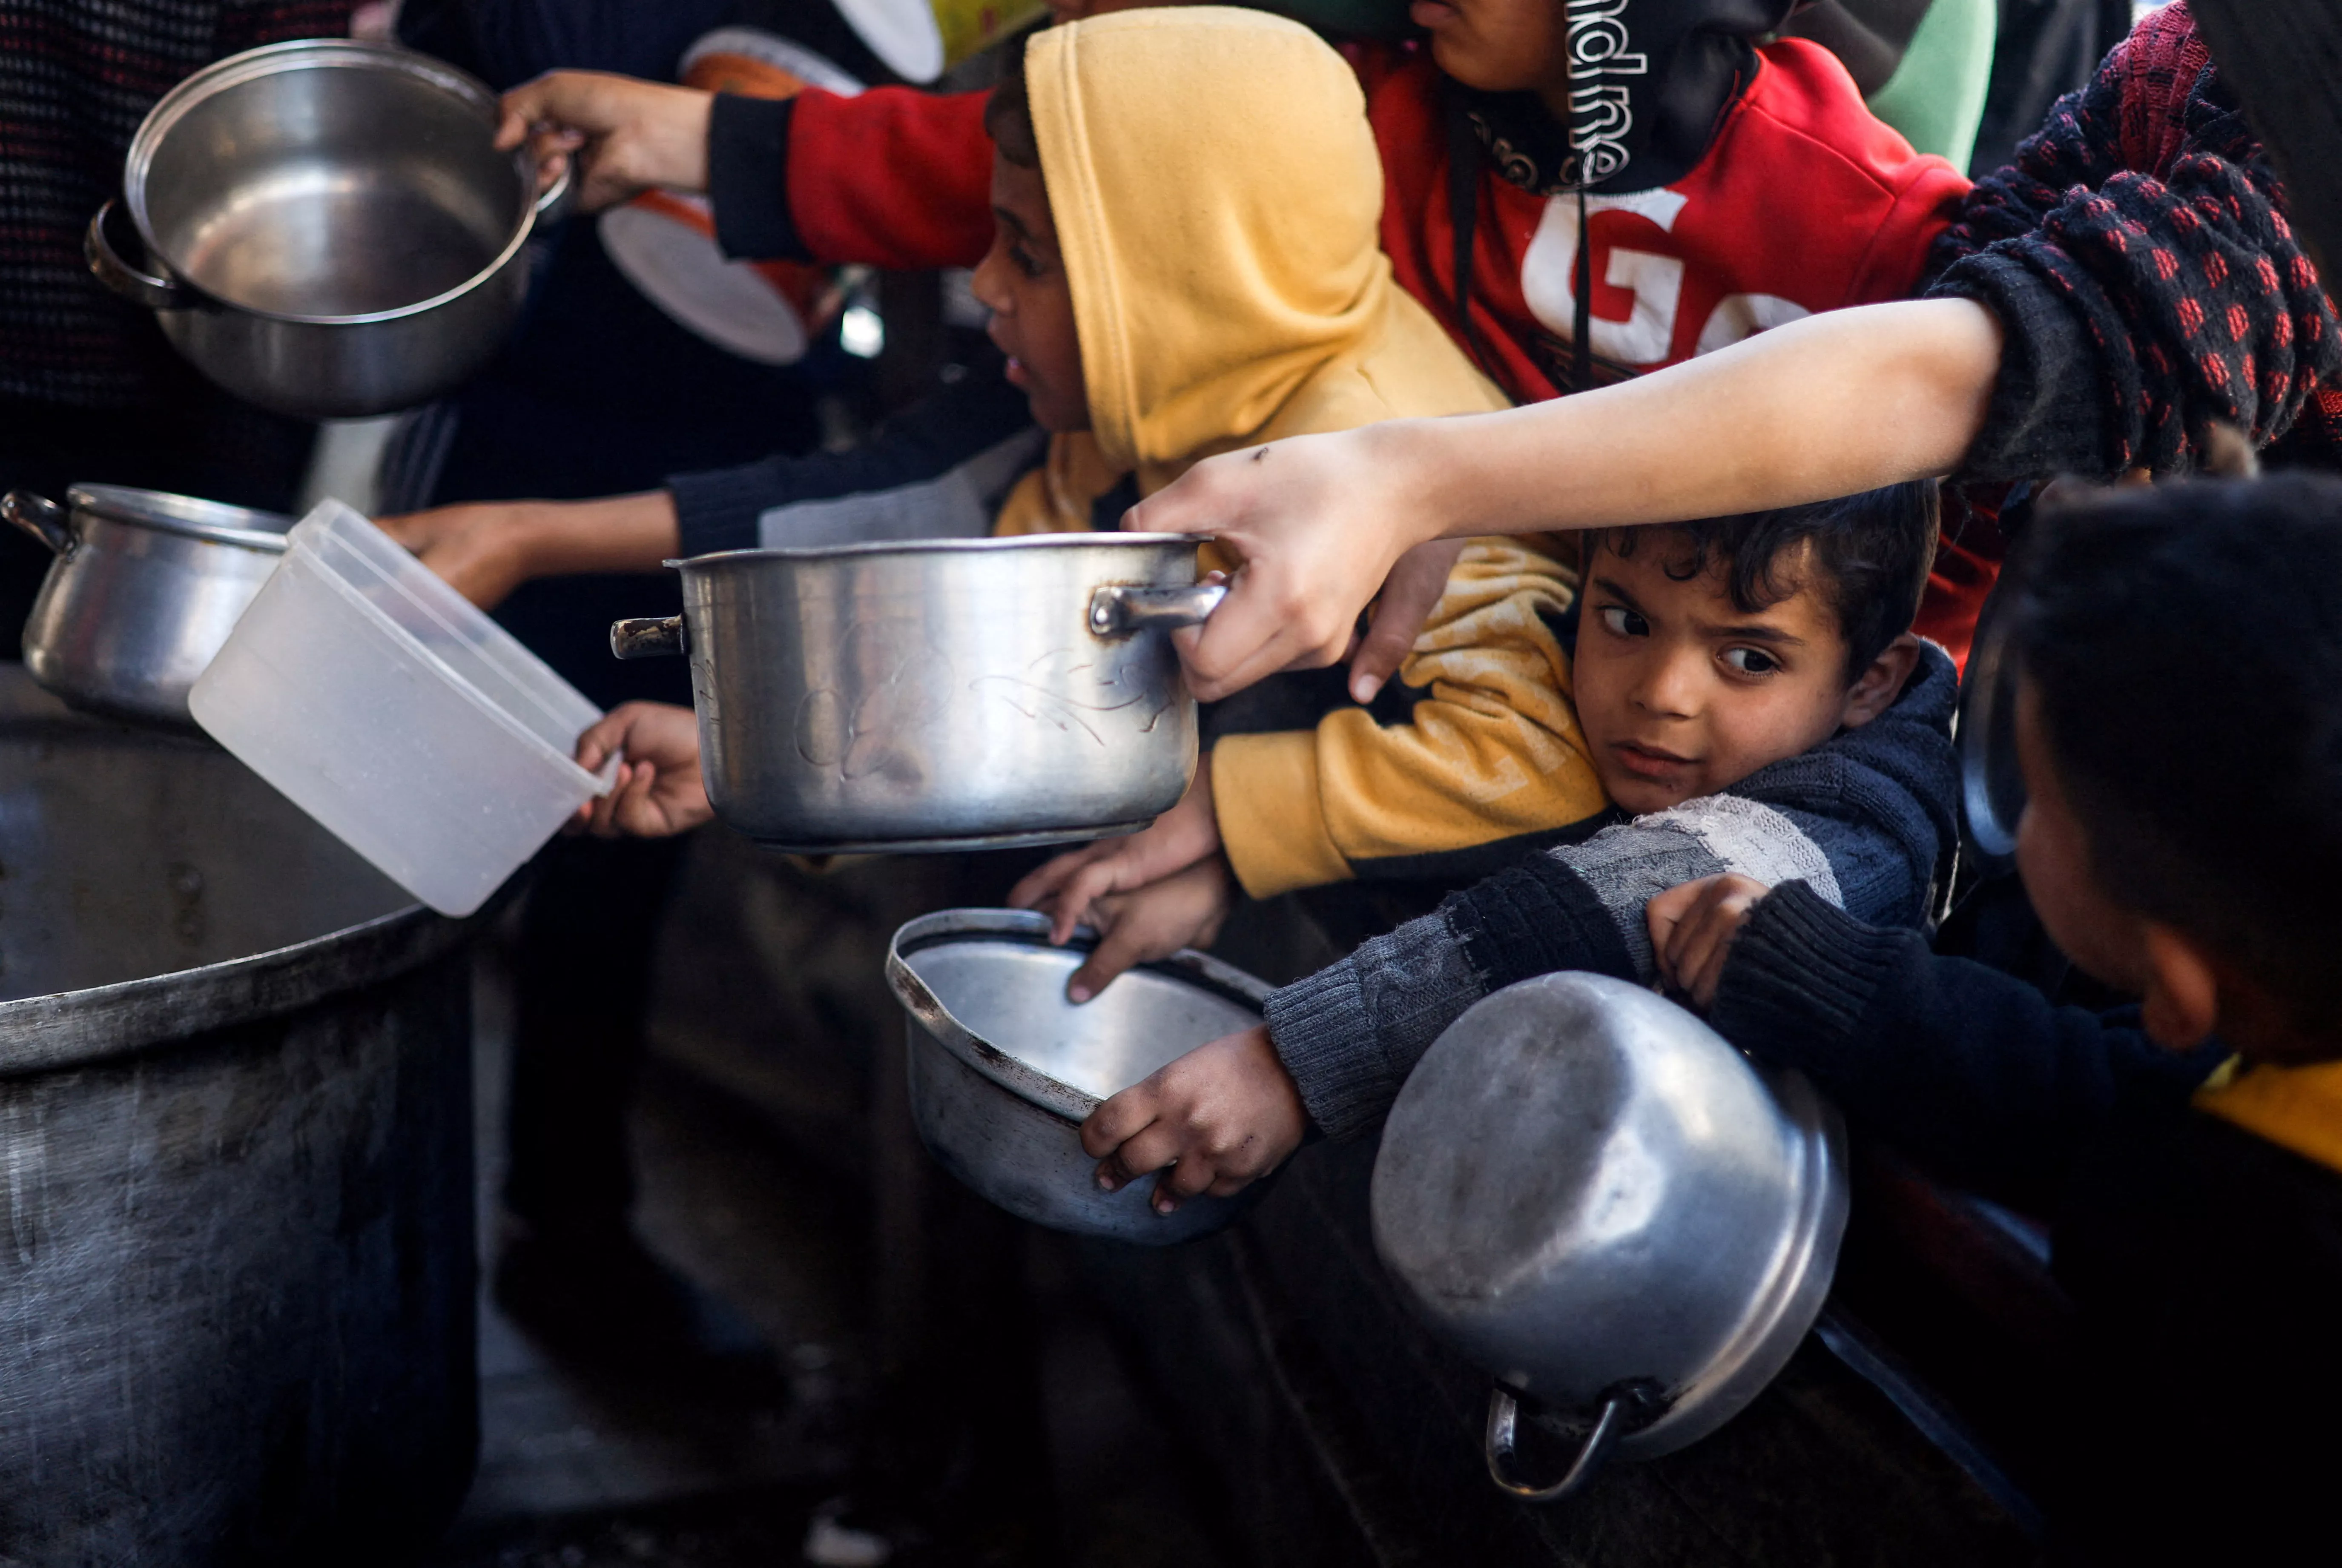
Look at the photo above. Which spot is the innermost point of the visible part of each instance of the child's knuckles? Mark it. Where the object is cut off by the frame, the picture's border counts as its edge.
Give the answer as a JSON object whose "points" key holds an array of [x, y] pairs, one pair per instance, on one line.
{"points": [[1192, 1177]]}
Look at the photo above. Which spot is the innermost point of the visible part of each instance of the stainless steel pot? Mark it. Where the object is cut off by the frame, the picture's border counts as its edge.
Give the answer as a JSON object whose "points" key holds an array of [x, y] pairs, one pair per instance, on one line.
{"points": [[1003, 1070], [1593, 1197], [144, 588], [329, 230], [955, 694]]}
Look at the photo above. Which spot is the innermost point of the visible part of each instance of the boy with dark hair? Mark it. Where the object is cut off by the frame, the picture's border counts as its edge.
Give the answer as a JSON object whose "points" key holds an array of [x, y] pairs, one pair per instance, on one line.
{"points": [[2179, 729], [1750, 698]]}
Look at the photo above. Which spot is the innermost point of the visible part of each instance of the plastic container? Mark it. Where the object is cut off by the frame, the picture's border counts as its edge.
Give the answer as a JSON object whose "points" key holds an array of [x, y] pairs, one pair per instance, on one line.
{"points": [[379, 701]]}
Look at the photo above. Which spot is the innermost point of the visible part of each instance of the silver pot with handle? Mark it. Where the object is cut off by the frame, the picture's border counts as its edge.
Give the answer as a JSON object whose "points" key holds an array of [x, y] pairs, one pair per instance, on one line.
{"points": [[328, 228], [1593, 1197], [941, 695], [145, 589]]}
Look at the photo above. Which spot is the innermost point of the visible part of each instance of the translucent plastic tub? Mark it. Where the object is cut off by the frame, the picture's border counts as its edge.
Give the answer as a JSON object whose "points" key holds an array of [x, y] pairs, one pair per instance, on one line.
{"points": [[383, 704]]}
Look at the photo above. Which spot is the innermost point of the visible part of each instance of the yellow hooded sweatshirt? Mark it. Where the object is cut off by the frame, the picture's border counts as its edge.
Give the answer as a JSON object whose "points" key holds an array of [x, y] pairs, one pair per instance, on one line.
{"points": [[1216, 193]]}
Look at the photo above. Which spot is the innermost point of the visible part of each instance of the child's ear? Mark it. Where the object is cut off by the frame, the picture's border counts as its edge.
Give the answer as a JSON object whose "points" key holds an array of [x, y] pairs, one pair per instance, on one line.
{"points": [[2181, 1006], [1875, 690]]}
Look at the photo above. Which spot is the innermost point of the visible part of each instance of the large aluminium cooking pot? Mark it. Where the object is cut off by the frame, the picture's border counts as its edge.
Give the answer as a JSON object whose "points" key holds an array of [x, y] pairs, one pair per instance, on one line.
{"points": [[236, 1279], [1004, 1069], [1593, 1196], [329, 229], [144, 588], [950, 693]]}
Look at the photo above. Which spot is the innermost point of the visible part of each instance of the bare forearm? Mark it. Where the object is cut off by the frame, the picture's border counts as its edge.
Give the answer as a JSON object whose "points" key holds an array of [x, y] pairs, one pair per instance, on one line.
{"points": [[1826, 406], [621, 534]]}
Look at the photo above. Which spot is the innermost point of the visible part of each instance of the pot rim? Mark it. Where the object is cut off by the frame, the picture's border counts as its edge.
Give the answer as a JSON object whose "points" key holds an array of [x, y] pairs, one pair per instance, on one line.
{"points": [[981, 545], [189, 515], [315, 54], [1782, 1310], [1031, 928]]}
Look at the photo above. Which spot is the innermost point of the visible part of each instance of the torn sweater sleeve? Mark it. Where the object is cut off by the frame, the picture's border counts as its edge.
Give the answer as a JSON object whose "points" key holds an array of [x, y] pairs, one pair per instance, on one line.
{"points": [[1863, 820]]}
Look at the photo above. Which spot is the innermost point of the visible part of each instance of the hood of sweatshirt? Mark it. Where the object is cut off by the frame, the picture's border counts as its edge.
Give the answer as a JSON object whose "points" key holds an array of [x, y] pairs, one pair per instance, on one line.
{"points": [[1216, 193]]}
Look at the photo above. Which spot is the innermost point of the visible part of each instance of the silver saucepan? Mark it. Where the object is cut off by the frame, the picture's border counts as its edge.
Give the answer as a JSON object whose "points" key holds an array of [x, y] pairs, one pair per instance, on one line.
{"points": [[329, 227], [144, 588], [1593, 1196], [954, 693]]}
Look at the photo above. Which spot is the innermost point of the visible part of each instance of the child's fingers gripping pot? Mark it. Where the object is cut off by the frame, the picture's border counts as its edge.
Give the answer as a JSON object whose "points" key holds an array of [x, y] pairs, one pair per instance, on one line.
{"points": [[1214, 1121], [659, 791]]}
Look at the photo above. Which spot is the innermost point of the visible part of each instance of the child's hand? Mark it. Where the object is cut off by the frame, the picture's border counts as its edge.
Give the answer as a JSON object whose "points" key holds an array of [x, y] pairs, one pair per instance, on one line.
{"points": [[480, 551], [1221, 1117], [1185, 909], [658, 793], [1068, 886], [627, 135], [1692, 928]]}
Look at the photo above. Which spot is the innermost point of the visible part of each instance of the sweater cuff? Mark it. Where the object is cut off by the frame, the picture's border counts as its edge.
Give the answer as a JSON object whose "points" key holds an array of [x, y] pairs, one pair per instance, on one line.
{"points": [[720, 509], [2049, 405], [748, 178], [1325, 1037], [1801, 976], [1265, 794]]}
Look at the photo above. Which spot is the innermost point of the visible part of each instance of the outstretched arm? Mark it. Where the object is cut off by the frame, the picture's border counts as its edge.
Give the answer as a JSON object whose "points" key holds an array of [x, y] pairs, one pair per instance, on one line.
{"points": [[1847, 401]]}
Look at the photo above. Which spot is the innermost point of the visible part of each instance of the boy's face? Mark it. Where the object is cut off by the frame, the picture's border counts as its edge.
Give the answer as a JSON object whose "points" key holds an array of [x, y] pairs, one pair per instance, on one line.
{"points": [[1681, 694], [1022, 281], [1500, 46]]}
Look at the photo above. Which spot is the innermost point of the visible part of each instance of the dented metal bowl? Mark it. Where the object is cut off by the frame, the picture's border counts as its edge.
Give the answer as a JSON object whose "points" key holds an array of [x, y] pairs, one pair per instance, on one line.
{"points": [[1004, 1069]]}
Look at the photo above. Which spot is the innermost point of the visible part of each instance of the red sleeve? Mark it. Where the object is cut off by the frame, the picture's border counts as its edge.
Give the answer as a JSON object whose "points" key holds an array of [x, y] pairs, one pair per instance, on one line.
{"points": [[891, 177], [1928, 196]]}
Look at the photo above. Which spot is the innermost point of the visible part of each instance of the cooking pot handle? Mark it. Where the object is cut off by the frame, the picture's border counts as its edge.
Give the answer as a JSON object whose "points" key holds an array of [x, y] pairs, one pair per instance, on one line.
{"points": [[43, 519], [1116, 612], [137, 287], [552, 203], [649, 639], [1504, 1418]]}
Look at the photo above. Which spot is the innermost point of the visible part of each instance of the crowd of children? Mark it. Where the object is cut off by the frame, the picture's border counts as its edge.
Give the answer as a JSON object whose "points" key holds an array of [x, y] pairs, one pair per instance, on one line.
{"points": [[1680, 711]]}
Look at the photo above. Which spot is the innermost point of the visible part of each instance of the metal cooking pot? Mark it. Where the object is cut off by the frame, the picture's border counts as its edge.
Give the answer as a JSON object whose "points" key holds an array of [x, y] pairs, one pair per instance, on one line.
{"points": [[236, 1298], [329, 230], [1992, 785], [951, 693], [1004, 1069], [145, 589], [1593, 1196]]}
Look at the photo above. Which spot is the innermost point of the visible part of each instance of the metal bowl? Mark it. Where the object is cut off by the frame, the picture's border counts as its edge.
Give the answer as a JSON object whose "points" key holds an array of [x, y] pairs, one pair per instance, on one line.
{"points": [[329, 227], [1595, 1198], [145, 589], [1004, 1069]]}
